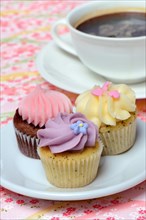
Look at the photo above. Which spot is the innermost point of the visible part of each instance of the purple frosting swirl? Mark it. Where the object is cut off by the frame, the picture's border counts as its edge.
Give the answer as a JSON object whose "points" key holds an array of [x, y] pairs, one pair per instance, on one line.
{"points": [[68, 132]]}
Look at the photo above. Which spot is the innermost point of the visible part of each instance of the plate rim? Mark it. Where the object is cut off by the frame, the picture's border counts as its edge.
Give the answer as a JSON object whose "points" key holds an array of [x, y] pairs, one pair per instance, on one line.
{"points": [[89, 194], [65, 197], [48, 75]]}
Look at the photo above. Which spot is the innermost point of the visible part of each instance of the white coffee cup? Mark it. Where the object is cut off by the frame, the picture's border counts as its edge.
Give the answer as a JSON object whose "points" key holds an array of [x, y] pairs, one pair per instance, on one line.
{"points": [[117, 59]]}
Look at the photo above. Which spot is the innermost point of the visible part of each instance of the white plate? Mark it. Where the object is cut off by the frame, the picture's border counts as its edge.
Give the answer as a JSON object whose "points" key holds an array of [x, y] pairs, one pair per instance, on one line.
{"points": [[26, 176], [67, 72]]}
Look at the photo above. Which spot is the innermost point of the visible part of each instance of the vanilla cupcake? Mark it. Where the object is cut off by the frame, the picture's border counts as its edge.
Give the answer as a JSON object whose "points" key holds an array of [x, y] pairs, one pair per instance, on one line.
{"points": [[70, 150], [112, 108], [32, 114]]}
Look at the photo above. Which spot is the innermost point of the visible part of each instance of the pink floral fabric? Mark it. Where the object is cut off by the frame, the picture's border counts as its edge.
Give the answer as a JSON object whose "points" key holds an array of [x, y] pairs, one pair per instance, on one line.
{"points": [[25, 29]]}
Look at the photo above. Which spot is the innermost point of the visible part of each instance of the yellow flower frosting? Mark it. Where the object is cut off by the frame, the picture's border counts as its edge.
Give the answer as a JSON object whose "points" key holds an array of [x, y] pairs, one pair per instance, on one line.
{"points": [[107, 104]]}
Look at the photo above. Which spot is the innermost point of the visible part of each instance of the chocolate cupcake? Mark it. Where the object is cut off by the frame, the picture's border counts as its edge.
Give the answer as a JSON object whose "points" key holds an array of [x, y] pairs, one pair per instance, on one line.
{"points": [[33, 112]]}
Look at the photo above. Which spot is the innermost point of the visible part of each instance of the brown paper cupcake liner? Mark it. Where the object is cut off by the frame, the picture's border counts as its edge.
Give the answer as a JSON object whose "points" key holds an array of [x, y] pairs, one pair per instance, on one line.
{"points": [[120, 140], [72, 173], [27, 144]]}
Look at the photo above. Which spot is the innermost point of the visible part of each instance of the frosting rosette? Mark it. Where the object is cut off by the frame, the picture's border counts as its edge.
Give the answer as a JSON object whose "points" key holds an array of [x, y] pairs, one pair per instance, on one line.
{"points": [[68, 132], [41, 104], [107, 104]]}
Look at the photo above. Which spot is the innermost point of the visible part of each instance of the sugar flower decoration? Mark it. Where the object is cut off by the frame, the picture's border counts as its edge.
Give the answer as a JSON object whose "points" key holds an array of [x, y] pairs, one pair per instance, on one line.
{"points": [[79, 127], [104, 90]]}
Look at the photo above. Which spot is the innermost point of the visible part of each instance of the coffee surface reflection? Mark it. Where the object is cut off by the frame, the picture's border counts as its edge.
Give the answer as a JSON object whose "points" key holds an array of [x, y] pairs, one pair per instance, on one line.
{"points": [[116, 25]]}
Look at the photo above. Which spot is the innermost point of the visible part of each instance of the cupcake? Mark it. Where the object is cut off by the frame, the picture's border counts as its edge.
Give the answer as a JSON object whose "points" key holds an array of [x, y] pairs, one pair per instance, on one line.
{"points": [[70, 150], [32, 114], [112, 108]]}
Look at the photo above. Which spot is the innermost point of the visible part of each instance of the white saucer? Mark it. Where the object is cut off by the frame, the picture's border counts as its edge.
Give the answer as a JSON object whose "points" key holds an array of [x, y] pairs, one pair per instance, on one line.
{"points": [[26, 176], [67, 72]]}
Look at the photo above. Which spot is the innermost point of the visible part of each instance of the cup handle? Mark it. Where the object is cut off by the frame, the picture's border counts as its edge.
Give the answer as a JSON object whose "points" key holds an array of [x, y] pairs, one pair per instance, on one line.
{"points": [[58, 40]]}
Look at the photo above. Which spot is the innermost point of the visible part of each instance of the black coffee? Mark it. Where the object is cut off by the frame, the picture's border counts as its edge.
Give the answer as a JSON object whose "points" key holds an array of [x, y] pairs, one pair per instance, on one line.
{"points": [[123, 24]]}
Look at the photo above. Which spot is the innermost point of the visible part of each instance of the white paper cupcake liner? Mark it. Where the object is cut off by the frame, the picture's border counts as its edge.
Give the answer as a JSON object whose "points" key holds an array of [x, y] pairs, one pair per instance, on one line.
{"points": [[120, 140], [27, 144], [72, 173]]}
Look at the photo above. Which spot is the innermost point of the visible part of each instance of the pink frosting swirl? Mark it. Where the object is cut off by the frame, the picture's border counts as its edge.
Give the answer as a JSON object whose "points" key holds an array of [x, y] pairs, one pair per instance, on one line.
{"points": [[68, 132], [40, 105]]}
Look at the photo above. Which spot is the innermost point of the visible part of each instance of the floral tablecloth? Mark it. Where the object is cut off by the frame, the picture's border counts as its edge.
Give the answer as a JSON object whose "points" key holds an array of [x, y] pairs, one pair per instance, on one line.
{"points": [[25, 29]]}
